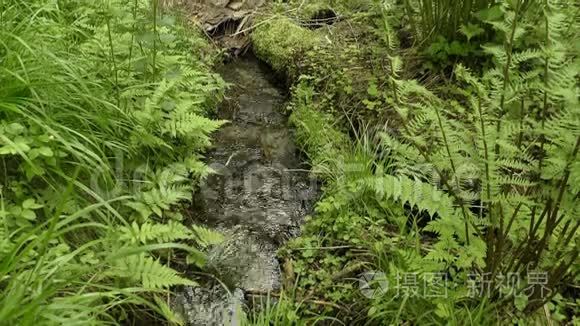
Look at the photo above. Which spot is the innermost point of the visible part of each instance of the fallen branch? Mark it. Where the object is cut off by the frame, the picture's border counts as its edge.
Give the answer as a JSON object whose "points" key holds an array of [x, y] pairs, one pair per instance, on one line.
{"points": [[352, 269], [260, 293], [327, 248]]}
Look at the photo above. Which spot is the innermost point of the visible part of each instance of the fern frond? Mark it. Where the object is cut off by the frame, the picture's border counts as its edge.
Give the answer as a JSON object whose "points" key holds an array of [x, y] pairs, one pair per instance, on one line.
{"points": [[206, 237], [190, 125], [152, 232], [148, 271]]}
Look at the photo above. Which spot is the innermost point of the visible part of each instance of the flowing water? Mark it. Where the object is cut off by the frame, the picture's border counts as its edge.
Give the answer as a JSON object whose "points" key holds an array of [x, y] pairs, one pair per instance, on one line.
{"points": [[257, 199]]}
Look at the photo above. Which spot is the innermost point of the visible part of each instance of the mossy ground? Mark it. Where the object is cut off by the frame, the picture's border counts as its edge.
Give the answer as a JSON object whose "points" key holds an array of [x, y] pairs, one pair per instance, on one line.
{"points": [[344, 61]]}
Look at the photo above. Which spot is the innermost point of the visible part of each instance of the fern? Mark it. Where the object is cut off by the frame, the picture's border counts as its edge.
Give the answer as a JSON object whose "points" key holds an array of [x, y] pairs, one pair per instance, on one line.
{"points": [[150, 273], [206, 237], [159, 233], [447, 219], [190, 125], [518, 131]]}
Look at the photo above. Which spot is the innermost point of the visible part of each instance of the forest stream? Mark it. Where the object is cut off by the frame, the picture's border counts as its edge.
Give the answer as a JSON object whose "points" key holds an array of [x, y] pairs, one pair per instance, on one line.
{"points": [[257, 198], [289, 162]]}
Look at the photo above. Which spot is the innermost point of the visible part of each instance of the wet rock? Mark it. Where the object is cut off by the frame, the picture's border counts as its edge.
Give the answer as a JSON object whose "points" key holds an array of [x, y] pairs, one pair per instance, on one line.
{"points": [[214, 306], [235, 5], [259, 195], [246, 260]]}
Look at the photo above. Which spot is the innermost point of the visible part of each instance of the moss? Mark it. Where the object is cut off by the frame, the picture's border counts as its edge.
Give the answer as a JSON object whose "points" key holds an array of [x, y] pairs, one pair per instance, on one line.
{"points": [[280, 42], [345, 61], [309, 8]]}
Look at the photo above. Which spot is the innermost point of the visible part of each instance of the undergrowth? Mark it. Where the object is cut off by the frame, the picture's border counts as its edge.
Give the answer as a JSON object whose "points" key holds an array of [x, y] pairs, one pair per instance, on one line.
{"points": [[102, 124], [459, 202], [450, 191]]}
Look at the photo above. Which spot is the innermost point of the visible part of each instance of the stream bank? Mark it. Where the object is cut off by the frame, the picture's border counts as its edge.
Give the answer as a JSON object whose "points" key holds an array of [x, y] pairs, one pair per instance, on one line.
{"points": [[257, 198], [384, 126]]}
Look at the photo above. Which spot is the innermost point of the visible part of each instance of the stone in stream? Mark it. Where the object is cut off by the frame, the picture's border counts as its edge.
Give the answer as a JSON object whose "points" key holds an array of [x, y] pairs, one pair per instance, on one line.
{"points": [[257, 199], [210, 306], [235, 5], [245, 261]]}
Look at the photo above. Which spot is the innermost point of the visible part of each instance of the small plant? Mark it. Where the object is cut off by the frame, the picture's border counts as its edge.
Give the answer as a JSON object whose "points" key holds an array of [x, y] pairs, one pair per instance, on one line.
{"points": [[443, 54], [431, 19]]}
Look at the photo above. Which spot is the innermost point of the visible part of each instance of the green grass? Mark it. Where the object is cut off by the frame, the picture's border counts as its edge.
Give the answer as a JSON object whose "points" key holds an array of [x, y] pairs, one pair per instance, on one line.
{"points": [[102, 124]]}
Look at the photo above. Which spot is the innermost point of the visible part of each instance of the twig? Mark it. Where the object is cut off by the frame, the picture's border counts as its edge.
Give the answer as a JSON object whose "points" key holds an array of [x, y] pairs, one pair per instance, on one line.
{"points": [[548, 316], [326, 248], [230, 158], [242, 23], [260, 293], [352, 269], [254, 26]]}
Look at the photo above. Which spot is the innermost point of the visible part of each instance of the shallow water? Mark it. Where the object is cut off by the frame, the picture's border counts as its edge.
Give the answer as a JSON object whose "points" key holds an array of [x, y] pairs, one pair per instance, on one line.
{"points": [[258, 197]]}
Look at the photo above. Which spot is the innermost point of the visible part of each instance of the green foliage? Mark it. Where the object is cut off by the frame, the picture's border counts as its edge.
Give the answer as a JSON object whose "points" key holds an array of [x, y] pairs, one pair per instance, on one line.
{"points": [[344, 63], [150, 233], [147, 271], [478, 183], [281, 311], [431, 19], [102, 125], [349, 215], [518, 122], [314, 131], [442, 53], [447, 33]]}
